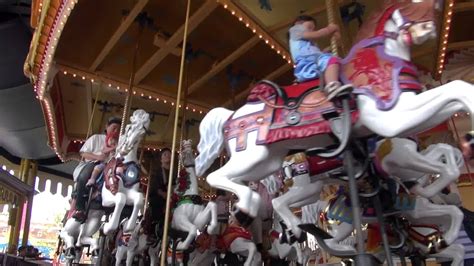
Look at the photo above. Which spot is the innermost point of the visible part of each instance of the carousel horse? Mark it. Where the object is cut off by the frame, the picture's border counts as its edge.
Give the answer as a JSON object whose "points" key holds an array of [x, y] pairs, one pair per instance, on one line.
{"points": [[389, 101], [304, 179], [131, 244], [411, 168], [289, 252], [122, 174], [190, 214], [238, 240], [74, 234]]}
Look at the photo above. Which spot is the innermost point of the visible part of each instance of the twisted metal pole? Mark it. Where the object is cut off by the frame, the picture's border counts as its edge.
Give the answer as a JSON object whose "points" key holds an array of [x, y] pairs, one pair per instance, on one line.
{"points": [[173, 144]]}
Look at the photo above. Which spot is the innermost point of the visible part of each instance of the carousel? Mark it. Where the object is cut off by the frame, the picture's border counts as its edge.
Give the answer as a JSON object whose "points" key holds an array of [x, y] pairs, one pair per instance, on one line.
{"points": [[231, 138]]}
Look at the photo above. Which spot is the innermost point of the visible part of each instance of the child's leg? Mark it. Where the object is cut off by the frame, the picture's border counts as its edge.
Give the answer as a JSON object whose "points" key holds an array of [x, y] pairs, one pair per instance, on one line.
{"points": [[331, 72], [97, 170], [333, 86]]}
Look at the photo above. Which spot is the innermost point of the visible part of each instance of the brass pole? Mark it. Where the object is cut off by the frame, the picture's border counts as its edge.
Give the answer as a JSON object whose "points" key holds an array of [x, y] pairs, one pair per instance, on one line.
{"points": [[15, 233], [173, 144], [128, 98], [31, 179], [89, 128], [331, 19]]}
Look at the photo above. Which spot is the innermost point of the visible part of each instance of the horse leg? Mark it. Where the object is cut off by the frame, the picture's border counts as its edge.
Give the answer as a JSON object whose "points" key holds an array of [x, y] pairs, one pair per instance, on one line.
{"points": [[112, 224], [138, 201], [259, 162], [130, 256], [208, 216], [407, 157], [425, 209], [454, 252], [309, 194], [91, 226], [181, 222], [153, 252], [70, 232], [119, 255], [244, 247], [340, 232], [416, 112]]}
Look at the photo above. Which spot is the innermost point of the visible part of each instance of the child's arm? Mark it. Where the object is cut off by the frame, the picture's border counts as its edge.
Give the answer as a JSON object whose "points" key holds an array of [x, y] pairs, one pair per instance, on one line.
{"points": [[327, 31]]}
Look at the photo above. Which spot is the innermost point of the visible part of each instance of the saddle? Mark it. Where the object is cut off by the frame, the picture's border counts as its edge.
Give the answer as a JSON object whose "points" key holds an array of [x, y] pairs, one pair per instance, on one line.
{"points": [[290, 97], [291, 112], [130, 177]]}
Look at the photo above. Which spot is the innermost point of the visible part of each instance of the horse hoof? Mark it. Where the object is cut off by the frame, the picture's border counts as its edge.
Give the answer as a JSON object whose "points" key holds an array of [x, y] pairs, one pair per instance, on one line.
{"points": [[107, 228], [70, 253], [95, 253], [243, 218]]}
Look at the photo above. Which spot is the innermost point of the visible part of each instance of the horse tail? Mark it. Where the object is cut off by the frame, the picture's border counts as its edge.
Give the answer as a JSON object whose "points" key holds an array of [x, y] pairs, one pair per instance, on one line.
{"points": [[212, 138]]}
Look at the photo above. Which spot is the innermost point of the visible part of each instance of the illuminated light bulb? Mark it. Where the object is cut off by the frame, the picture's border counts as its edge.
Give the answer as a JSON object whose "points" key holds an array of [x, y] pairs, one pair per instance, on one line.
{"points": [[225, 6], [74, 75], [240, 19], [254, 30], [92, 80], [83, 78], [247, 25], [233, 12], [110, 85], [134, 92], [65, 72]]}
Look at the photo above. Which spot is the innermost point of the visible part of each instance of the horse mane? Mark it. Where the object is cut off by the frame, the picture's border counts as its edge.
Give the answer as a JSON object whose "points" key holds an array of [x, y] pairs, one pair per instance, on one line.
{"points": [[422, 11]]}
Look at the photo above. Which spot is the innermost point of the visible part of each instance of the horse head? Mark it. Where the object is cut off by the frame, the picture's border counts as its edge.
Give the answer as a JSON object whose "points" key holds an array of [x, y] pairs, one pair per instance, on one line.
{"points": [[187, 155], [408, 21], [134, 132]]}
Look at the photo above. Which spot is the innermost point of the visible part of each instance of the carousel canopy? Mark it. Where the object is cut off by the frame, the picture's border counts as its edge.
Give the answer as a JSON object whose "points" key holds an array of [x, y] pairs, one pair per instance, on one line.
{"points": [[81, 58]]}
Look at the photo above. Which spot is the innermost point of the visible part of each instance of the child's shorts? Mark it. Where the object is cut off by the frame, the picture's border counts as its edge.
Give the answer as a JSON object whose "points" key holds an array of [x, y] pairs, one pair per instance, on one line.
{"points": [[313, 66]]}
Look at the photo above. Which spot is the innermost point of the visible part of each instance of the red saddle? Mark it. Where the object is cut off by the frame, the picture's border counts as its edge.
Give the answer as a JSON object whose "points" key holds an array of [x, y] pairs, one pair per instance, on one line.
{"points": [[290, 112]]}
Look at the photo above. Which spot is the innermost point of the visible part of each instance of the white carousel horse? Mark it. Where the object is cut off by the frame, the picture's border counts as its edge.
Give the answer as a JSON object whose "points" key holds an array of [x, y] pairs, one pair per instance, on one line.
{"points": [[290, 252], [74, 234], [261, 133], [399, 157], [135, 243], [191, 215], [238, 240], [122, 174], [303, 189]]}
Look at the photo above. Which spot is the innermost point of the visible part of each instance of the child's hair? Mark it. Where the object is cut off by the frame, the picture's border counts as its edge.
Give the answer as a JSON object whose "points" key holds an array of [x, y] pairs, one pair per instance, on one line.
{"points": [[304, 18], [301, 19]]}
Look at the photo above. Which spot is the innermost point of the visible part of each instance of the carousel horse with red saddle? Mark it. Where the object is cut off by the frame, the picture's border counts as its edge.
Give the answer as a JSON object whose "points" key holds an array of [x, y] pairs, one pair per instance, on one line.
{"points": [[121, 175], [389, 101], [122, 187]]}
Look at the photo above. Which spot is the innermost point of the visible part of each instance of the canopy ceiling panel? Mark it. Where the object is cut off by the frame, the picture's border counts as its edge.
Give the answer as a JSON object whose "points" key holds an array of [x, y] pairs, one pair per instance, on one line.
{"points": [[88, 29]]}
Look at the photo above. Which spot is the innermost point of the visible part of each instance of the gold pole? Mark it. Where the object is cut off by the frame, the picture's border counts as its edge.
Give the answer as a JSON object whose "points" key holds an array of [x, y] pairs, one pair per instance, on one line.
{"points": [[173, 144], [89, 128], [128, 99], [331, 19], [31, 179], [16, 225]]}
